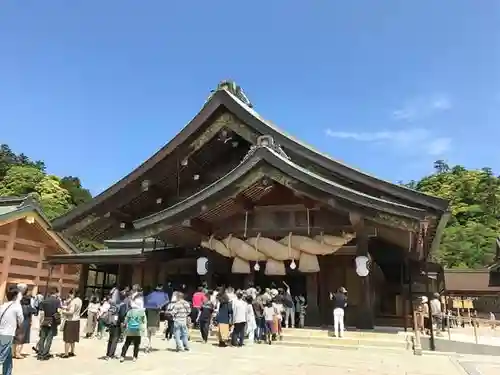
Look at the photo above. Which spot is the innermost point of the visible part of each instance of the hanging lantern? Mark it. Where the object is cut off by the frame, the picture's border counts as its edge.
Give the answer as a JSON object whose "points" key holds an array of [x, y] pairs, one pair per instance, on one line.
{"points": [[145, 185]]}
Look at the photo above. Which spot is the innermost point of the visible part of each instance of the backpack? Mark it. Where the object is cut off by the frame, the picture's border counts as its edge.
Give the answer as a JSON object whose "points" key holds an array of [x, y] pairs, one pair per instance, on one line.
{"points": [[169, 312], [110, 317], [133, 323]]}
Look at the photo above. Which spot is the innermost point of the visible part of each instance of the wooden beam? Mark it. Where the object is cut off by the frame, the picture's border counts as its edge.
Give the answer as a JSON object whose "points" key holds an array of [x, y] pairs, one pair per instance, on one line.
{"points": [[23, 241], [9, 249], [199, 226], [245, 203], [284, 208], [39, 268]]}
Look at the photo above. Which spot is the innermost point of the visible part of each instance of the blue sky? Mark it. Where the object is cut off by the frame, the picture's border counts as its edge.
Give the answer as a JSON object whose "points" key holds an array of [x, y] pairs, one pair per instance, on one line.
{"points": [[96, 87]]}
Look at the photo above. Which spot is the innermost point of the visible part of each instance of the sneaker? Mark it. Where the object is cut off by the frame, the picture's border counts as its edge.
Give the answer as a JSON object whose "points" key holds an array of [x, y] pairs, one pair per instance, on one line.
{"points": [[122, 359], [134, 359], [186, 349]]}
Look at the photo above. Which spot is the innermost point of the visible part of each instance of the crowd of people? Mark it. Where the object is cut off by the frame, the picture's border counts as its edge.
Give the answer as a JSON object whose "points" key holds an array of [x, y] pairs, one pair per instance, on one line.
{"points": [[130, 315]]}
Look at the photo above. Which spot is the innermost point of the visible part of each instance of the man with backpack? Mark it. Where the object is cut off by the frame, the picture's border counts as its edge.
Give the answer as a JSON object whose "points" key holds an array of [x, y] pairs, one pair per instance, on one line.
{"points": [[113, 319]]}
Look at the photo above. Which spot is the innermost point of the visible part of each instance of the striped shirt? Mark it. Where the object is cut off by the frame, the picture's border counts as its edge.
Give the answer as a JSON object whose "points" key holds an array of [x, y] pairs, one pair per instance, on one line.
{"points": [[180, 311]]}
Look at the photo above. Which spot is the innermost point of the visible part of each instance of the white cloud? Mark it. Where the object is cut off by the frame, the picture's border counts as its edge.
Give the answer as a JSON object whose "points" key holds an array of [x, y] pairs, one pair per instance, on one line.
{"points": [[422, 107], [403, 140]]}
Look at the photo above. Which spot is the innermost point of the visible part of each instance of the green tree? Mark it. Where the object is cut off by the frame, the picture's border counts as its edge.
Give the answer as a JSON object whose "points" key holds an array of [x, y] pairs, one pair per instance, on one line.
{"points": [[19, 175], [469, 238], [78, 194], [8, 158], [20, 180]]}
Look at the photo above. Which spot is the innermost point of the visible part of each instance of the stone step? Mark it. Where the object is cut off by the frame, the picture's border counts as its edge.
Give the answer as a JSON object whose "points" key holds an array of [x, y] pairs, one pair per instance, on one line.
{"points": [[326, 332], [331, 342]]}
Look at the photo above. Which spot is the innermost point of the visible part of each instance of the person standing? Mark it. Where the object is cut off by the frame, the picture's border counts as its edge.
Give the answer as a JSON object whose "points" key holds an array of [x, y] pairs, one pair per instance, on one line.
{"points": [[154, 303], [339, 304], [180, 313], [205, 318], [239, 320], [199, 298], [11, 317], [92, 312], [436, 313], [224, 317], [135, 326], [289, 307], [50, 307], [258, 309], [71, 329], [114, 318], [23, 331], [251, 324]]}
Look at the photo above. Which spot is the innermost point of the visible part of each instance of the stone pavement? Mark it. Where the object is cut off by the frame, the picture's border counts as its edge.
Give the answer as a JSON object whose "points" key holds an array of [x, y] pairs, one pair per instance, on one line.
{"points": [[255, 360]]}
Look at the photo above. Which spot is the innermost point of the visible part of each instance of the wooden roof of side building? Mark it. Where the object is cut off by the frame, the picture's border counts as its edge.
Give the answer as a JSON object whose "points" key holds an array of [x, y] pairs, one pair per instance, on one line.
{"points": [[469, 281], [16, 208], [223, 98]]}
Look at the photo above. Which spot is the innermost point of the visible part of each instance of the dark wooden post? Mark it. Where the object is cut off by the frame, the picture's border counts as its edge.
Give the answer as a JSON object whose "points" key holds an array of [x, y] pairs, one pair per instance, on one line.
{"points": [[365, 318], [313, 314], [82, 284]]}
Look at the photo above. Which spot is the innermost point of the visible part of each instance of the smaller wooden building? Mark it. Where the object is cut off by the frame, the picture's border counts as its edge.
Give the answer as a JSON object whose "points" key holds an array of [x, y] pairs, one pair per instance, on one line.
{"points": [[26, 239], [477, 289]]}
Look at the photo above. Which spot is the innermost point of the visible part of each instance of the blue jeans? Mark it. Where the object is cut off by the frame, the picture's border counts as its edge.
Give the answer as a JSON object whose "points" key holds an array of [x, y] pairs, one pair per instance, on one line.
{"points": [[6, 354], [181, 335]]}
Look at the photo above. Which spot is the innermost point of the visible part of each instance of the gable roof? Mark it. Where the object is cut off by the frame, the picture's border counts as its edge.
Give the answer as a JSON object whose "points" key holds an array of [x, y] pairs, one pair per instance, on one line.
{"points": [[279, 161], [224, 98], [15, 208]]}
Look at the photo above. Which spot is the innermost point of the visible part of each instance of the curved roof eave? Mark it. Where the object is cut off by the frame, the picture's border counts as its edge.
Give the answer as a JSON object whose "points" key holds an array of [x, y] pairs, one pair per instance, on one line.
{"points": [[326, 161], [207, 110], [248, 115], [263, 153]]}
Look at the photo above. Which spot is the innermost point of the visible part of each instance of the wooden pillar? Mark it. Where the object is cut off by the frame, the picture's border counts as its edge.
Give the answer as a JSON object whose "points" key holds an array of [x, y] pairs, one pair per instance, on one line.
{"points": [[60, 281], [210, 270], [365, 317], [4, 277], [313, 315], [39, 269], [84, 276]]}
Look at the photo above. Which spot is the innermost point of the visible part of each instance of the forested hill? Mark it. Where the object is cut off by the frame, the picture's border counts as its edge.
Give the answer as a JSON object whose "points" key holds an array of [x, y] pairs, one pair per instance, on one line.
{"points": [[474, 195], [19, 175]]}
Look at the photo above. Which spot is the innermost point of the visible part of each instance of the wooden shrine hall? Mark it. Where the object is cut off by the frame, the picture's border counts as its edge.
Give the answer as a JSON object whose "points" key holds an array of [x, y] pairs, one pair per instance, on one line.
{"points": [[261, 206]]}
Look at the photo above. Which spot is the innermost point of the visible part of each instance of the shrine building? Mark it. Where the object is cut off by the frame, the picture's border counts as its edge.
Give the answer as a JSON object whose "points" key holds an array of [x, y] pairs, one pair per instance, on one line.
{"points": [[254, 204]]}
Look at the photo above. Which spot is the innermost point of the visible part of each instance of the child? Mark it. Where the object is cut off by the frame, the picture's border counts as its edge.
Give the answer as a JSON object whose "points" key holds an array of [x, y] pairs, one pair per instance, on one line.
{"points": [[135, 326], [269, 314], [278, 319]]}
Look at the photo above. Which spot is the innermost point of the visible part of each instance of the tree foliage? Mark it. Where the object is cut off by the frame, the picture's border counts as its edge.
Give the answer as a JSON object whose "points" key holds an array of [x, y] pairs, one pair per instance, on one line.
{"points": [[19, 175], [474, 195]]}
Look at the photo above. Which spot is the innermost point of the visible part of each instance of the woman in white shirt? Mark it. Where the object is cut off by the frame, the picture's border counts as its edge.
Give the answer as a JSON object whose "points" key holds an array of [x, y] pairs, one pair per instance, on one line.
{"points": [[92, 313]]}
